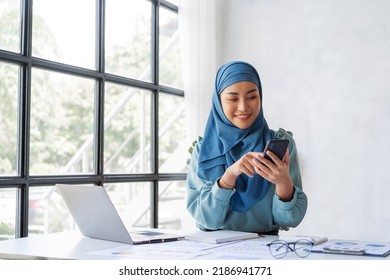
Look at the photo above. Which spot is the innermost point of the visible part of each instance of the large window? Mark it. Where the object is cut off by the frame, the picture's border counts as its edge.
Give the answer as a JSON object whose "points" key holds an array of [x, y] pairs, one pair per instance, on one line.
{"points": [[91, 93]]}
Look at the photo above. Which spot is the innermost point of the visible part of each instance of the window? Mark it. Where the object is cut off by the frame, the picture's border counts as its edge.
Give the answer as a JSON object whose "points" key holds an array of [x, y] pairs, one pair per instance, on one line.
{"points": [[127, 137], [128, 50], [9, 88], [61, 123], [91, 93]]}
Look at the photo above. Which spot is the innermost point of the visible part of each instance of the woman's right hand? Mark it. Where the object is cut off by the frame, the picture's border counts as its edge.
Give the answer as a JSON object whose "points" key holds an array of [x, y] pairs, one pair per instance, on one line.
{"points": [[244, 165]]}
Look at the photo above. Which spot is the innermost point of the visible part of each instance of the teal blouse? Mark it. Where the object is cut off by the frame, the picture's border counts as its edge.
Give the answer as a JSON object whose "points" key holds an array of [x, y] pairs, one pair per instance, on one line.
{"points": [[209, 204]]}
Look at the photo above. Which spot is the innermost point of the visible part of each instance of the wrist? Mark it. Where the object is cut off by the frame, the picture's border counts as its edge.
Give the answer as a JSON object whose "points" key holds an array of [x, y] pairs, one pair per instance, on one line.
{"points": [[224, 185], [285, 192], [227, 180]]}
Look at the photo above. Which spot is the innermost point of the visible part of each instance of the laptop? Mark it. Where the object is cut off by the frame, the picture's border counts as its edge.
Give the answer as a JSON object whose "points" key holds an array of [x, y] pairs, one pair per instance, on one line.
{"points": [[96, 217]]}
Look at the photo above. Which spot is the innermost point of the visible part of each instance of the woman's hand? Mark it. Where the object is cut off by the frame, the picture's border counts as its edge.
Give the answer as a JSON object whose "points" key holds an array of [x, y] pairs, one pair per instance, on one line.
{"points": [[243, 165], [275, 171]]}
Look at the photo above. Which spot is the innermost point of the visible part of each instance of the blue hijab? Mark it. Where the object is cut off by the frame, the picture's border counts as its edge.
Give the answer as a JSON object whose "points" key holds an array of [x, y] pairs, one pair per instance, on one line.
{"points": [[223, 143]]}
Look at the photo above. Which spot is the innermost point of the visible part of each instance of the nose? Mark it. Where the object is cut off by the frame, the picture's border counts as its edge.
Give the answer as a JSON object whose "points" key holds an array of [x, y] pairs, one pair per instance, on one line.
{"points": [[242, 105]]}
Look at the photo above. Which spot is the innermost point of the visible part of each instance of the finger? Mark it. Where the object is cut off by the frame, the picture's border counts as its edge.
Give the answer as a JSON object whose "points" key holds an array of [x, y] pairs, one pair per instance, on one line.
{"points": [[264, 161], [286, 157], [276, 160], [258, 165], [261, 173], [253, 154], [248, 169]]}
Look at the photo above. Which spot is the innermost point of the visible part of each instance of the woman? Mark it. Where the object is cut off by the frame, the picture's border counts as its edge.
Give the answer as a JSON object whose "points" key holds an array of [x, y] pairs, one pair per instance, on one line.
{"points": [[230, 185]]}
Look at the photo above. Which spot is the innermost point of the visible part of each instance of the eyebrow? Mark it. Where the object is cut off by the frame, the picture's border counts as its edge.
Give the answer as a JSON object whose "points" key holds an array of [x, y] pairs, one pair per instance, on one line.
{"points": [[236, 93]]}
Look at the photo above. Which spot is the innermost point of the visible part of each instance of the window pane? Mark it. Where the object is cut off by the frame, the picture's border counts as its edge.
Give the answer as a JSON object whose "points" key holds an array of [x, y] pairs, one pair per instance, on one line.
{"points": [[170, 57], [172, 205], [62, 122], [175, 2], [128, 38], [10, 25], [8, 118], [48, 212], [64, 31], [7, 213], [172, 134], [127, 130], [132, 201]]}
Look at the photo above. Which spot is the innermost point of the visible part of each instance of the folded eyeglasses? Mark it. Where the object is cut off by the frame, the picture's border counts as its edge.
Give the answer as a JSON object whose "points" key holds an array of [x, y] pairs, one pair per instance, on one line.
{"points": [[280, 248]]}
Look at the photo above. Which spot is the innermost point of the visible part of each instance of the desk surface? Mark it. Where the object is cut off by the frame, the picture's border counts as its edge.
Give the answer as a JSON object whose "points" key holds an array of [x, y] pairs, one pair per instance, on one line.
{"points": [[72, 245]]}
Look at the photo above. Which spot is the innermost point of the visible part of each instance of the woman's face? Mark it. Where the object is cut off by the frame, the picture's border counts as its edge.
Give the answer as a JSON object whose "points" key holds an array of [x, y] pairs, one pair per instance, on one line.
{"points": [[241, 103]]}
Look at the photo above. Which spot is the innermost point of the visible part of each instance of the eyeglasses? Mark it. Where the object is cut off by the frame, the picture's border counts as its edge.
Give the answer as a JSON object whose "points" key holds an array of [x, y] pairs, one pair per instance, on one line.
{"points": [[280, 248]]}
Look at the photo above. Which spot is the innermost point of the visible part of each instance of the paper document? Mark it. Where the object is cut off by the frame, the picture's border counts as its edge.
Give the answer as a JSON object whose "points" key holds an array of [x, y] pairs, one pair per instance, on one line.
{"points": [[219, 236], [317, 240], [354, 247]]}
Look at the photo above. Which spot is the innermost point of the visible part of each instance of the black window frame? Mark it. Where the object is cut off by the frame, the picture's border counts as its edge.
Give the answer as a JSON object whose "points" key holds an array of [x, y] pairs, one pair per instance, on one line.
{"points": [[24, 181]]}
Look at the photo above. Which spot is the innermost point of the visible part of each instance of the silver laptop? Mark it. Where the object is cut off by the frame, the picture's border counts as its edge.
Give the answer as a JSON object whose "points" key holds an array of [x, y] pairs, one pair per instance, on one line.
{"points": [[96, 217]]}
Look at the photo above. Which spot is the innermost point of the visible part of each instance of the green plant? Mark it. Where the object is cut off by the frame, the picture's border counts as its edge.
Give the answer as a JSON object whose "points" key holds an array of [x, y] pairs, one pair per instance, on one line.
{"points": [[6, 229]]}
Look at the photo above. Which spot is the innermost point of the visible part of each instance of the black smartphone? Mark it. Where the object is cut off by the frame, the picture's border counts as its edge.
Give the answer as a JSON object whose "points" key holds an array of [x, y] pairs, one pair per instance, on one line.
{"points": [[277, 146]]}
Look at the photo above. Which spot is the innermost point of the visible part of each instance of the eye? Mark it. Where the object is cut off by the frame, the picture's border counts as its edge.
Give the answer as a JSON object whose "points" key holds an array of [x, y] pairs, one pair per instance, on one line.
{"points": [[252, 97]]}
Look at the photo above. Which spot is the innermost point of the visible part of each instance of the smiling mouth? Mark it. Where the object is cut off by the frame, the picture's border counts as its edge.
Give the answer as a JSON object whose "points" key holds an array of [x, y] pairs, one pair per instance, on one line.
{"points": [[243, 117]]}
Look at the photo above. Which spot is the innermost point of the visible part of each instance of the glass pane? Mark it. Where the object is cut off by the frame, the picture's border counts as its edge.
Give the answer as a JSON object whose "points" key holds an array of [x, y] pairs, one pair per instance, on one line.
{"points": [[128, 38], [127, 130], [62, 123], [172, 204], [48, 212], [7, 213], [10, 25], [8, 118], [64, 31], [132, 201], [173, 146], [175, 2], [170, 56]]}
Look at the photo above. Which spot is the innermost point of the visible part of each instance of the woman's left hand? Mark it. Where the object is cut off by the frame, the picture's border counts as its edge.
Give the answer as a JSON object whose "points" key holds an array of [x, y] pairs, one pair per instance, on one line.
{"points": [[276, 172]]}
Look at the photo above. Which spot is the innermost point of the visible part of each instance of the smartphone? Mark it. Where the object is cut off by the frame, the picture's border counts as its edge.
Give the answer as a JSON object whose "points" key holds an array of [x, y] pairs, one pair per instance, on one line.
{"points": [[277, 146]]}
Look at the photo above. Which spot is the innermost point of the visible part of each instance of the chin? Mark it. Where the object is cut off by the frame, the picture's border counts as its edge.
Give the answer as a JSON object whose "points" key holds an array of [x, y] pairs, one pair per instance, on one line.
{"points": [[241, 126]]}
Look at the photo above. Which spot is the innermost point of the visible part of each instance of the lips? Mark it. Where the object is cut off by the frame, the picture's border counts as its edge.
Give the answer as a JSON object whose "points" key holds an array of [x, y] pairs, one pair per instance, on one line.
{"points": [[243, 117]]}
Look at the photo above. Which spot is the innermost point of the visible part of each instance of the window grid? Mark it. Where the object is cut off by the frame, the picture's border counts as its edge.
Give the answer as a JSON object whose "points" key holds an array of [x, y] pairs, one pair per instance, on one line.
{"points": [[26, 62]]}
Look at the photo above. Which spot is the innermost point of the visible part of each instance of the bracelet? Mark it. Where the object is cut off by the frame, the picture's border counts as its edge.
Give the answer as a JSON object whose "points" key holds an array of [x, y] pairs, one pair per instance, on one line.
{"points": [[230, 187]]}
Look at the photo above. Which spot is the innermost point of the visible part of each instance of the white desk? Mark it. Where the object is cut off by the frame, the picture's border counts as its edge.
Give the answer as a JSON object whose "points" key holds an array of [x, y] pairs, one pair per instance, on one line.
{"points": [[72, 245], [66, 245]]}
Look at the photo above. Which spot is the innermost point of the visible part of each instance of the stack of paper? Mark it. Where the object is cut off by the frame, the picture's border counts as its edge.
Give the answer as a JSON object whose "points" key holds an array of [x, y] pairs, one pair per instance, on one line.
{"points": [[316, 240], [220, 236]]}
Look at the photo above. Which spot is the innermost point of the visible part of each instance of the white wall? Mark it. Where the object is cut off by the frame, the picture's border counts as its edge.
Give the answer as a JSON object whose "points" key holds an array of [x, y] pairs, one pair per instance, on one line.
{"points": [[325, 69]]}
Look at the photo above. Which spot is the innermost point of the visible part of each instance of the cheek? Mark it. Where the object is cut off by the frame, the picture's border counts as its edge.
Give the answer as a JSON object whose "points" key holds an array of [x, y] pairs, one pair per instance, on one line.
{"points": [[257, 112], [256, 108], [228, 109]]}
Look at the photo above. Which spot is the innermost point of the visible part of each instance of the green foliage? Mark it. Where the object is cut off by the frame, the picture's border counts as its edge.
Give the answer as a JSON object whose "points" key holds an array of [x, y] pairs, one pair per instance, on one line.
{"points": [[8, 117], [192, 147], [62, 108], [6, 229], [9, 26]]}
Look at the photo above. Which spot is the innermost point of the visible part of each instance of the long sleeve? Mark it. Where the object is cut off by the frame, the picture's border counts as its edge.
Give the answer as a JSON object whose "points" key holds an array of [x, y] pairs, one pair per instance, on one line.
{"points": [[291, 213], [206, 201]]}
